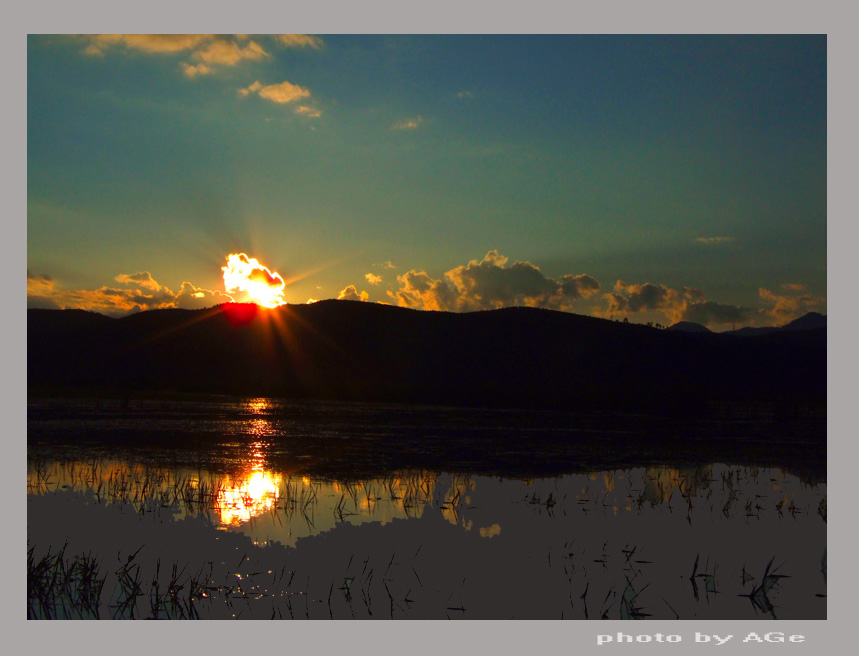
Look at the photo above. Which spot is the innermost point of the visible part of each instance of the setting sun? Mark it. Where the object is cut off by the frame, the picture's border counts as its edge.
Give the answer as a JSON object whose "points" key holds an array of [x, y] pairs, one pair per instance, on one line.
{"points": [[246, 274]]}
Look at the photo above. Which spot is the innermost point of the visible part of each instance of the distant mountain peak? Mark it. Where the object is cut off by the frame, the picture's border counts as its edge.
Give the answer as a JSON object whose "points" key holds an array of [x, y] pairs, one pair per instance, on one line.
{"points": [[809, 321]]}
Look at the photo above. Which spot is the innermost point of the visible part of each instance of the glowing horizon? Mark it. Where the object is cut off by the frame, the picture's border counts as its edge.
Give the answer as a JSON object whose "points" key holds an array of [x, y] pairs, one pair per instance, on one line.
{"points": [[600, 178]]}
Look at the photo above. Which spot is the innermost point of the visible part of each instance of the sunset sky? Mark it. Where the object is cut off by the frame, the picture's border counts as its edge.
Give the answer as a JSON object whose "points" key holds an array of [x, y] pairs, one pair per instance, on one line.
{"points": [[653, 178]]}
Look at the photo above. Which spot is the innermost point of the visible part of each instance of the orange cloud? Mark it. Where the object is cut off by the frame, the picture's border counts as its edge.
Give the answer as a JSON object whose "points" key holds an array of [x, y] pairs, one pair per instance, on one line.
{"points": [[196, 298], [193, 71], [229, 53], [285, 92], [688, 304], [143, 293], [351, 293], [488, 284], [418, 290], [40, 286], [207, 51], [141, 278], [299, 41], [373, 279], [642, 298], [787, 308], [97, 44], [306, 110]]}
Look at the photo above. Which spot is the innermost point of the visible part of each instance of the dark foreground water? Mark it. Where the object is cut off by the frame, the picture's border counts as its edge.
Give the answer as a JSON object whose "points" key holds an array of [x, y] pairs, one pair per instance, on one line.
{"points": [[217, 508]]}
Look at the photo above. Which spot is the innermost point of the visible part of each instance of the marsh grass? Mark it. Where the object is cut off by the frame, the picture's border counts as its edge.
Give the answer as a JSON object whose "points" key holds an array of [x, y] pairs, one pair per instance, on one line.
{"points": [[760, 593], [61, 588], [615, 581]]}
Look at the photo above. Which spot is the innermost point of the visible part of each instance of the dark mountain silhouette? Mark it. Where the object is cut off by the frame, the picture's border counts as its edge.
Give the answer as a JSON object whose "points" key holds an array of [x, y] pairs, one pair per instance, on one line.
{"points": [[810, 321], [750, 331], [689, 327], [515, 358]]}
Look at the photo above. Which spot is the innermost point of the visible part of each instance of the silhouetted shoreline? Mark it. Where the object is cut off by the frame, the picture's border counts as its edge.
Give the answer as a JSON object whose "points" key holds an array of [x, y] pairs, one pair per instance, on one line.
{"points": [[509, 358]]}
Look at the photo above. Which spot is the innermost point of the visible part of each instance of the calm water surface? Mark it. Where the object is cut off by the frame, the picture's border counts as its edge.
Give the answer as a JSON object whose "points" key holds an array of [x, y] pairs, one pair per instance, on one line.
{"points": [[278, 510]]}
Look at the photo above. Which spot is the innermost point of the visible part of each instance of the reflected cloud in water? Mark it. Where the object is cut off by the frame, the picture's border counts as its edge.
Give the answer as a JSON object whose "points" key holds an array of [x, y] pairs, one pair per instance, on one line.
{"points": [[432, 531]]}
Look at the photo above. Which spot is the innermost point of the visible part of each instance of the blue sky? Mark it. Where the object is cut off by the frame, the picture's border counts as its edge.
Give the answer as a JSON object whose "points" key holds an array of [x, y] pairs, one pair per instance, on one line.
{"points": [[654, 178]]}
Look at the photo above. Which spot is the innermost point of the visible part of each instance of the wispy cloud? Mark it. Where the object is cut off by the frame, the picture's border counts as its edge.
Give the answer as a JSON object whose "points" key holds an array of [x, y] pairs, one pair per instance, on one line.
{"points": [[408, 124], [206, 51], [142, 292], [228, 53], [465, 94], [99, 44], [373, 279], [39, 285], [141, 278], [299, 41], [282, 93], [715, 241], [193, 71], [786, 308], [308, 111]]}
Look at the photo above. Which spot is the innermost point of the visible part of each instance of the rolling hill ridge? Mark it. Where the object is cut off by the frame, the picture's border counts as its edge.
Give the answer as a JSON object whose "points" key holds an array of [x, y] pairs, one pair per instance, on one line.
{"points": [[513, 357]]}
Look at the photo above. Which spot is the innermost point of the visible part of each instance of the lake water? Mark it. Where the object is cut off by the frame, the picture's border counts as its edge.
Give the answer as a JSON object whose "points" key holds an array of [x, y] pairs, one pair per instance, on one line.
{"points": [[217, 508]]}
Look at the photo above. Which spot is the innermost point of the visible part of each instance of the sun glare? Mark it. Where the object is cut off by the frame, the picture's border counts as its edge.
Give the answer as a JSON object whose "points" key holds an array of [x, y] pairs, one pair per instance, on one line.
{"points": [[241, 499], [246, 274]]}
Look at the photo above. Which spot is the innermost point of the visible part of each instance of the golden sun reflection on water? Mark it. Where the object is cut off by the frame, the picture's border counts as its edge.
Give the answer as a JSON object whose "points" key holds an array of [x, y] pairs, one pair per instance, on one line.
{"points": [[252, 492], [244, 497], [258, 425]]}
